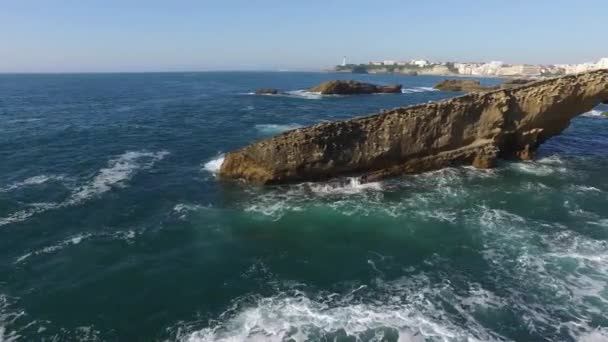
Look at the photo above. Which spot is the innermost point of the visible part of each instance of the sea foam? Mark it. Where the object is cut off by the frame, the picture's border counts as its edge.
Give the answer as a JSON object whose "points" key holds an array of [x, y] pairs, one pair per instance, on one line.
{"points": [[214, 165], [417, 90], [594, 113], [401, 308], [32, 181], [116, 174], [275, 129]]}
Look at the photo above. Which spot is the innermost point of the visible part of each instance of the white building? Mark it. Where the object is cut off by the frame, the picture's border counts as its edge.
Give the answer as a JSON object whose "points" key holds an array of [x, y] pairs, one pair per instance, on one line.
{"points": [[389, 63], [421, 62], [602, 64]]}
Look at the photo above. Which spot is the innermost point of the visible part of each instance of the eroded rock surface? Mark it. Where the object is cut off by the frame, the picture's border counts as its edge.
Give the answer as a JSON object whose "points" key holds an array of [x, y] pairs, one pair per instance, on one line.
{"points": [[466, 86], [474, 129], [353, 87]]}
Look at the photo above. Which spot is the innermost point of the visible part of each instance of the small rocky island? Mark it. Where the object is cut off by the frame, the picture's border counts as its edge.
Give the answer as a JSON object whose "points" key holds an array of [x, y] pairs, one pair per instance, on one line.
{"points": [[340, 87], [267, 91], [474, 129], [353, 88]]}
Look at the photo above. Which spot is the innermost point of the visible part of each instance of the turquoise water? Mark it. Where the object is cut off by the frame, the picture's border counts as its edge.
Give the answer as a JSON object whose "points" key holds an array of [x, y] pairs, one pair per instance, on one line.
{"points": [[114, 228]]}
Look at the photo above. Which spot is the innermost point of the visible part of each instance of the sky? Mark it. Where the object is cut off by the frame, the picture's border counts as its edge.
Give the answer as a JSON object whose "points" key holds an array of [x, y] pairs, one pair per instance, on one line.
{"points": [[199, 35]]}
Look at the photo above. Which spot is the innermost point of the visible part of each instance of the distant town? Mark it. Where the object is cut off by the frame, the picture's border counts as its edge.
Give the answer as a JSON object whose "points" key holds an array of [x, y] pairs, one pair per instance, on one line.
{"points": [[485, 69]]}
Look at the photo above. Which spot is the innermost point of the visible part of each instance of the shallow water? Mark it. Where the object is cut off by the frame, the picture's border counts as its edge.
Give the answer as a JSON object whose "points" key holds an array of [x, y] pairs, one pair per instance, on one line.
{"points": [[114, 228]]}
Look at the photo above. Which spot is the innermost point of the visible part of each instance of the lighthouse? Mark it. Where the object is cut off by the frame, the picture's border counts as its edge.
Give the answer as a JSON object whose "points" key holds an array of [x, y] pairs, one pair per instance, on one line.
{"points": [[344, 61]]}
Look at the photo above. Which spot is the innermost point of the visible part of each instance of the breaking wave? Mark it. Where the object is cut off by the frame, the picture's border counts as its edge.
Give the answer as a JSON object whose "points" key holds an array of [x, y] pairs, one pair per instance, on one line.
{"points": [[214, 165], [417, 90], [399, 310], [594, 113], [118, 171], [304, 94]]}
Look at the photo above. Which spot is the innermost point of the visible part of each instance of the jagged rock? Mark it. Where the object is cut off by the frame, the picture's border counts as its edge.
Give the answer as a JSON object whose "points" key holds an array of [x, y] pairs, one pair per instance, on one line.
{"points": [[267, 91], [467, 86], [605, 102], [353, 87], [475, 129]]}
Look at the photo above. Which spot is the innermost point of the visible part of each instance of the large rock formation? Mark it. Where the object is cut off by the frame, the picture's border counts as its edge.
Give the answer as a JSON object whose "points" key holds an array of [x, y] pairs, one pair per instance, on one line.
{"points": [[475, 129], [353, 87]]}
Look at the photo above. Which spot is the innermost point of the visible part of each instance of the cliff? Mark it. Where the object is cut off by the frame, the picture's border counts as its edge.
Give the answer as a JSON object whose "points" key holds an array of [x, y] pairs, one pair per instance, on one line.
{"points": [[475, 129]]}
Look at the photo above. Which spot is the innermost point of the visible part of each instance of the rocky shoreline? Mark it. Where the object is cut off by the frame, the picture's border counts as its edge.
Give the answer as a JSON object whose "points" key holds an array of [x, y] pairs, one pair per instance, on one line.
{"points": [[474, 129]]}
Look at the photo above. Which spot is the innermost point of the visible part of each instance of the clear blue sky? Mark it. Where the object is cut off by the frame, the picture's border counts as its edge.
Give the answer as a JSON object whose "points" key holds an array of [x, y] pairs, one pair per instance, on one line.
{"points": [[168, 35]]}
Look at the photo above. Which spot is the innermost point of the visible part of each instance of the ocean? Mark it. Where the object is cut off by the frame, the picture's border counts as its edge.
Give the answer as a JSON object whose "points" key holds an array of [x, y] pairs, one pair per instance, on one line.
{"points": [[113, 226]]}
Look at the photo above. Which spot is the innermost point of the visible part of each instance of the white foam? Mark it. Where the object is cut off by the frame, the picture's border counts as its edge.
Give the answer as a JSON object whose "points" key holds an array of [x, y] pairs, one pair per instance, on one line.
{"points": [[585, 188], [304, 94], [8, 317], [74, 240], [597, 335], [214, 165], [183, 209], [119, 170], [594, 113], [274, 128], [32, 181], [404, 306], [537, 168], [417, 90], [352, 186]]}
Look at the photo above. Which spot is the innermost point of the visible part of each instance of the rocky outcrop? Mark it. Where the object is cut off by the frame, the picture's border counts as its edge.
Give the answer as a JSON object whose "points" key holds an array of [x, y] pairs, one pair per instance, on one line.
{"points": [[467, 86], [474, 129], [470, 86], [267, 91], [353, 87]]}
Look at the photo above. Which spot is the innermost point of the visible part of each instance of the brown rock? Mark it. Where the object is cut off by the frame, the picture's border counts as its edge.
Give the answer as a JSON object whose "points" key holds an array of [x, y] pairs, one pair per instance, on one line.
{"points": [[389, 89], [515, 82], [476, 128], [267, 91], [352, 88], [467, 86]]}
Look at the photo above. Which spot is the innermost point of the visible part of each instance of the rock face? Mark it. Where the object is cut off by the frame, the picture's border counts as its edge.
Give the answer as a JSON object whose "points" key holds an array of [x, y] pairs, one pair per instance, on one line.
{"points": [[467, 86], [267, 91], [353, 87], [474, 129]]}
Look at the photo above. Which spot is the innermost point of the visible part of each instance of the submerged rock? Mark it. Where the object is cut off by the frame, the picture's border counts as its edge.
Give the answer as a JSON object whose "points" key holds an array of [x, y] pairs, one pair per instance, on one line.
{"points": [[467, 86], [474, 129], [353, 87], [267, 91]]}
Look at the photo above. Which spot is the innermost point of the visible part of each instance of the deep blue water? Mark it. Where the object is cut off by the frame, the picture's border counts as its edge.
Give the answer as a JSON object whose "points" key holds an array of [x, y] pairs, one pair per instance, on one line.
{"points": [[114, 228]]}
